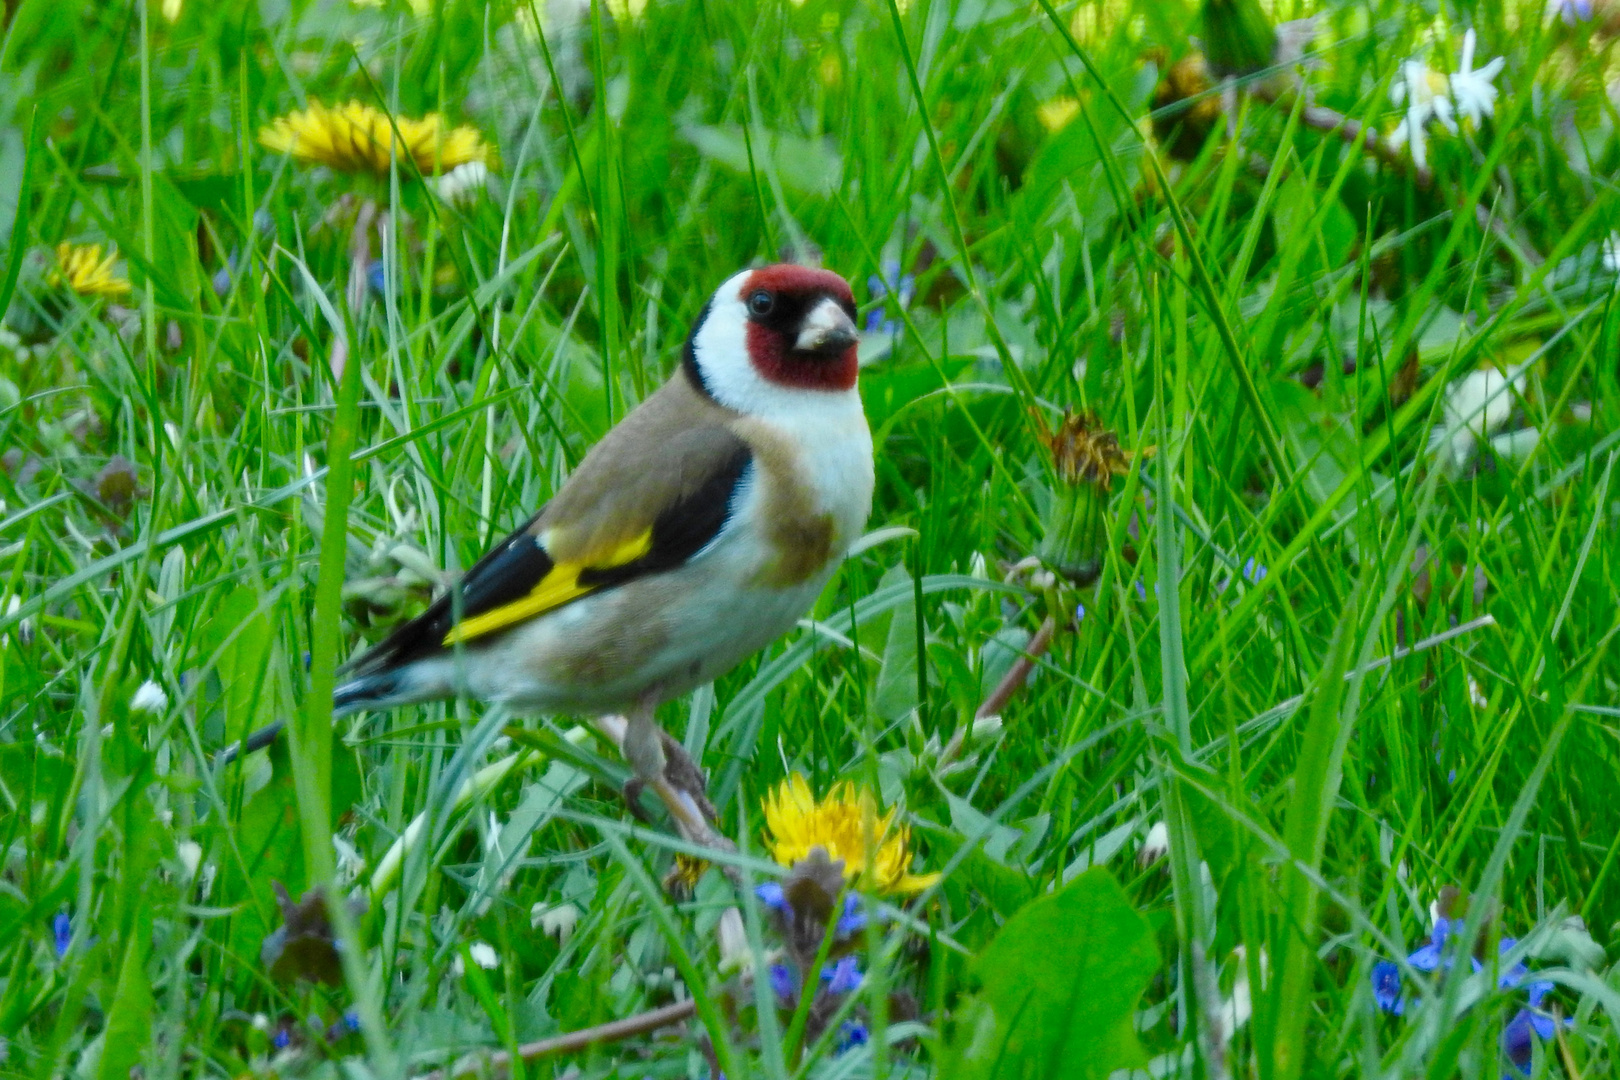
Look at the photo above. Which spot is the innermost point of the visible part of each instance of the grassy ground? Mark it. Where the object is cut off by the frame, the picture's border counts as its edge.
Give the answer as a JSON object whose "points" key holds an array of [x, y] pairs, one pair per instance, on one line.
{"points": [[1288, 318]]}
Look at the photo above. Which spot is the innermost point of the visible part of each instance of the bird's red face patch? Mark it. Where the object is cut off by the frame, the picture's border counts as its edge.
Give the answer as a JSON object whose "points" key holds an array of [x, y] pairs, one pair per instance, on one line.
{"points": [[786, 304]]}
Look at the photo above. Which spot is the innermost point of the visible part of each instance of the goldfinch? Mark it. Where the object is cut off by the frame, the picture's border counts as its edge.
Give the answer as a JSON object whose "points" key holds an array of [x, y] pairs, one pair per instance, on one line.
{"points": [[699, 530]]}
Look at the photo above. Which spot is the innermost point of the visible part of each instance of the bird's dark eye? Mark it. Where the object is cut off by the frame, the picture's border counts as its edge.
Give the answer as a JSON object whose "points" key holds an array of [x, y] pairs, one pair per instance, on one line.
{"points": [[761, 303]]}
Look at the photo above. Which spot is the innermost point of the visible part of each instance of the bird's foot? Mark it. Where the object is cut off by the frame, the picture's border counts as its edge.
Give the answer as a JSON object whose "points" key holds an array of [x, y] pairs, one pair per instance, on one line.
{"points": [[662, 764], [633, 788]]}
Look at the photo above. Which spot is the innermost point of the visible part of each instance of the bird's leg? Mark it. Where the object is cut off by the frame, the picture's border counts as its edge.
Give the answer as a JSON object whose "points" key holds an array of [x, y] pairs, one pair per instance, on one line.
{"points": [[662, 764], [684, 773]]}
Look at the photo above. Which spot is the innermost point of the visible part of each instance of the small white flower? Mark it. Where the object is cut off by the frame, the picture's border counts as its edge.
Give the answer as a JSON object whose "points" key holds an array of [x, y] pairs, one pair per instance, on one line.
{"points": [[1611, 263], [557, 922], [149, 698], [1477, 405], [1419, 90], [1156, 845], [25, 627], [1472, 90], [190, 854], [350, 863], [1467, 94], [482, 953], [464, 184], [1236, 1010]]}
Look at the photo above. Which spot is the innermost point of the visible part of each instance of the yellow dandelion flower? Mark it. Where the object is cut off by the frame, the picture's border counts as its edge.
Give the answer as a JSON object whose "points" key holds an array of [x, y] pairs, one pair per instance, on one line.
{"points": [[846, 824], [82, 268], [357, 138]]}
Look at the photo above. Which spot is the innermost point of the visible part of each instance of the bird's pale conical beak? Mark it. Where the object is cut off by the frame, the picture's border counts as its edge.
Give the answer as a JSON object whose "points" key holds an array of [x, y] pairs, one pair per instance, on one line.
{"points": [[827, 329]]}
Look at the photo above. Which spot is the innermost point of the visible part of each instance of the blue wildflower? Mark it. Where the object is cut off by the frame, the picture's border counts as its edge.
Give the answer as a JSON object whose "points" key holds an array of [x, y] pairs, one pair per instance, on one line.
{"points": [[1254, 573], [851, 921], [282, 1039], [851, 1033], [263, 224], [1141, 590], [1528, 1024], [1386, 976], [1429, 956], [1516, 974], [1572, 11], [1386, 980], [784, 983], [905, 288], [377, 277], [351, 1020], [842, 977], [1079, 612], [62, 930], [1530, 1020]]}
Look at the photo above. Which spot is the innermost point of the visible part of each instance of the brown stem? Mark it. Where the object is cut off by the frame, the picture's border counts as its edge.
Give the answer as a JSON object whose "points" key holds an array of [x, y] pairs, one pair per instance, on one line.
{"points": [[1322, 118], [1010, 682], [483, 1063], [1334, 122]]}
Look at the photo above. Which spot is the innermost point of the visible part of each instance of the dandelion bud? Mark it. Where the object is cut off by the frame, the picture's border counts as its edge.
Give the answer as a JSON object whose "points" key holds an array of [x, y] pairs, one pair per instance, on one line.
{"points": [[1086, 457], [735, 954], [1155, 846]]}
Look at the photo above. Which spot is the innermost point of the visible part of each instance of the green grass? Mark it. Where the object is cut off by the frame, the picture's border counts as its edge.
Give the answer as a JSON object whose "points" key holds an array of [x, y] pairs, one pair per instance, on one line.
{"points": [[189, 496]]}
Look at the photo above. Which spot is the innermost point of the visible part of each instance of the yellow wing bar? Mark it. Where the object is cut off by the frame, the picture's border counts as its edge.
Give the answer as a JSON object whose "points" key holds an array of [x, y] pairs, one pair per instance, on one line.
{"points": [[555, 589]]}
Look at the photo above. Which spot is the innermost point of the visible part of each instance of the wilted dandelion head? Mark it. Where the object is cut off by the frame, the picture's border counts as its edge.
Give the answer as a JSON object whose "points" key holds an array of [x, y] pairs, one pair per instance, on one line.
{"points": [[682, 879], [85, 270], [846, 825], [357, 138], [1084, 450]]}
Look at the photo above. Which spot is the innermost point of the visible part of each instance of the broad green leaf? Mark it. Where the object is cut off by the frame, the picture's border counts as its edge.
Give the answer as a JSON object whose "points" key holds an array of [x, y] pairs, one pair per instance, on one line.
{"points": [[808, 166], [1059, 987], [129, 1022], [896, 691]]}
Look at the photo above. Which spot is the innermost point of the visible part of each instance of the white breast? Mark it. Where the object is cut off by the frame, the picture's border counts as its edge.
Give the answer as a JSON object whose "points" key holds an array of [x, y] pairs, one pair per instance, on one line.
{"points": [[833, 456]]}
